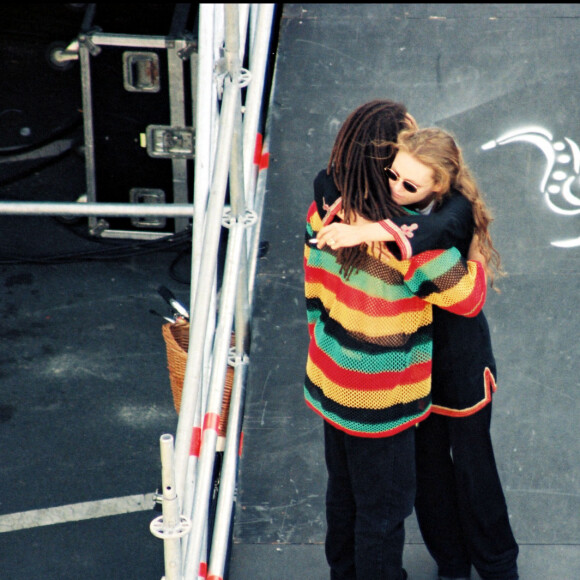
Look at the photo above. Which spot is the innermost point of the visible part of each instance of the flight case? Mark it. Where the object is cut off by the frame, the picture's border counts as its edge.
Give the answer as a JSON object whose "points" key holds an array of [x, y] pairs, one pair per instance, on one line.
{"points": [[137, 95]]}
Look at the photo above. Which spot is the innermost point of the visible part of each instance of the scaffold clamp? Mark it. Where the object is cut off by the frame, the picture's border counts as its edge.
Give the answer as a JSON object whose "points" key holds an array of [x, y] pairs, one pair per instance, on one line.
{"points": [[160, 530]]}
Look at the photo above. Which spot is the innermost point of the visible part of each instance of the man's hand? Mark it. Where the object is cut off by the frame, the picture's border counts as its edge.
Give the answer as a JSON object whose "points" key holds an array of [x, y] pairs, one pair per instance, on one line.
{"points": [[340, 236], [361, 230]]}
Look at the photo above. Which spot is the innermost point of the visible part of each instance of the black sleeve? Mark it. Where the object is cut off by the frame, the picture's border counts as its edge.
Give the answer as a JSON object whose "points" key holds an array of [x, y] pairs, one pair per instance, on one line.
{"points": [[449, 226], [325, 192]]}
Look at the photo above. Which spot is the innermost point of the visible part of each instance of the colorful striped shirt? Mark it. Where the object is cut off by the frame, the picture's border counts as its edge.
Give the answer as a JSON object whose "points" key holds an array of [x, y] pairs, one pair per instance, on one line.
{"points": [[369, 360]]}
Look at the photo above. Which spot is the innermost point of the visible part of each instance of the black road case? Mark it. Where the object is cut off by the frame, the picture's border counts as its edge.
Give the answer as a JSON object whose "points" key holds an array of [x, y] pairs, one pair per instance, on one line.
{"points": [[138, 98]]}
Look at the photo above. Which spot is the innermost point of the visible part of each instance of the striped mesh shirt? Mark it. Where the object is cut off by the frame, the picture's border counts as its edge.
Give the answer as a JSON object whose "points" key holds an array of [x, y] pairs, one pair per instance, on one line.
{"points": [[369, 360]]}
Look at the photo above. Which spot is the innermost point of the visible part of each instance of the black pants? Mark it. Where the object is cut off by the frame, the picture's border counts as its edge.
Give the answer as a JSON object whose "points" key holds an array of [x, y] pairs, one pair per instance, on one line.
{"points": [[460, 505], [371, 489]]}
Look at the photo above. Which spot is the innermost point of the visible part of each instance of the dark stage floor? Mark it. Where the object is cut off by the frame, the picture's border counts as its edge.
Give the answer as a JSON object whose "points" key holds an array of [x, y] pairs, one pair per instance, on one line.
{"points": [[84, 390]]}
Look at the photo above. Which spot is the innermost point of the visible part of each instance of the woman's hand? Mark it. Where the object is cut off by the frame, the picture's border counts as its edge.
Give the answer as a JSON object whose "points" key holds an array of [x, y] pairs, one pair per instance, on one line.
{"points": [[474, 254]]}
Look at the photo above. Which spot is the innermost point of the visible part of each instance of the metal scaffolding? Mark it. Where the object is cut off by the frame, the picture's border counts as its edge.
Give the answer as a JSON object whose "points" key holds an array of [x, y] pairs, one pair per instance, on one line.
{"points": [[230, 160], [233, 136]]}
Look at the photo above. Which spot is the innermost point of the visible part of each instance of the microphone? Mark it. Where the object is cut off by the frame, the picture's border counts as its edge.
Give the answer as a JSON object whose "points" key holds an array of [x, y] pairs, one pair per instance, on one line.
{"points": [[168, 296]]}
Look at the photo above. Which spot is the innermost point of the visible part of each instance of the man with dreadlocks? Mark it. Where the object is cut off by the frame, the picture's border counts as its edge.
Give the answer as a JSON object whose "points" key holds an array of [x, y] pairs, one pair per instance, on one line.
{"points": [[368, 373]]}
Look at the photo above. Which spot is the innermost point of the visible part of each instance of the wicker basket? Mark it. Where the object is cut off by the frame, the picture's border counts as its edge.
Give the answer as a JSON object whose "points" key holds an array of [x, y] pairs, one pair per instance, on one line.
{"points": [[176, 336]]}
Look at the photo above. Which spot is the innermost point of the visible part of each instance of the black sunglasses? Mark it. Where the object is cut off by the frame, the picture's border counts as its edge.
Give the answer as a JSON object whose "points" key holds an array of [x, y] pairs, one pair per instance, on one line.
{"points": [[394, 176]]}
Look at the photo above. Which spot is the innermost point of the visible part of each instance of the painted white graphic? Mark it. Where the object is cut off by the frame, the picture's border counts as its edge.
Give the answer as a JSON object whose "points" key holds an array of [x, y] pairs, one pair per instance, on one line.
{"points": [[561, 182]]}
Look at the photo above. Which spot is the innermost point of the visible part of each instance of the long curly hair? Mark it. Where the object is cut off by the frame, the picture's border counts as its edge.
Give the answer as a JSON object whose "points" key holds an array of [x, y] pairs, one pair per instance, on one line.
{"points": [[363, 147], [438, 150]]}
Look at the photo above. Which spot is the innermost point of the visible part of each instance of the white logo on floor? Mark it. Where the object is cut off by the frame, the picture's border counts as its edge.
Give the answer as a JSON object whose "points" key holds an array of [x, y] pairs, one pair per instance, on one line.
{"points": [[561, 182]]}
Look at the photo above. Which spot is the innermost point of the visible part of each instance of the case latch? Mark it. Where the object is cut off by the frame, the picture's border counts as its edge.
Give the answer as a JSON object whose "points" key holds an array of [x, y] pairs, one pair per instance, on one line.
{"points": [[170, 142]]}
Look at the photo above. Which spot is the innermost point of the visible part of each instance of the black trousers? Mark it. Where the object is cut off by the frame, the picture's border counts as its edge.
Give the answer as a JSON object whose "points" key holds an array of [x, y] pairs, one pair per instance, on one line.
{"points": [[460, 505], [370, 492]]}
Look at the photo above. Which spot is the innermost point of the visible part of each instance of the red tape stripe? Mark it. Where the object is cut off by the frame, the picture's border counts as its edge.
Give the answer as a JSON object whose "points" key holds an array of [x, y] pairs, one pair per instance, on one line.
{"points": [[261, 157], [241, 447], [211, 421], [195, 442], [258, 149]]}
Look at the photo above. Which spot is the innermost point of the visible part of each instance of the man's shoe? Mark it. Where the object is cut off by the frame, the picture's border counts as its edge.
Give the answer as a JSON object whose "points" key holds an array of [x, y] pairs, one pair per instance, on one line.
{"points": [[405, 575]]}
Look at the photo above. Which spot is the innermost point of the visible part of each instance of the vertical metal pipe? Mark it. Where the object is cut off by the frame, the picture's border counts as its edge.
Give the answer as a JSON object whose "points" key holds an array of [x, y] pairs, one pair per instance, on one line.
{"points": [[186, 500], [238, 207], [204, 127], [253, 104], [225, 506], [170, 527], [256, 229], [193, 371], [177, 119], [243, 15], [258, 203], [211, 420], [228, 477], [232, 39], [223, 331], [89, 142], [254, 9], [170, 506]]}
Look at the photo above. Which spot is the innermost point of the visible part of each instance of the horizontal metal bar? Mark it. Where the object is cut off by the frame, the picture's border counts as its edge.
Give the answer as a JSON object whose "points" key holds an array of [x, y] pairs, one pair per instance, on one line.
{"points": [[127, 40], [95, 209]]}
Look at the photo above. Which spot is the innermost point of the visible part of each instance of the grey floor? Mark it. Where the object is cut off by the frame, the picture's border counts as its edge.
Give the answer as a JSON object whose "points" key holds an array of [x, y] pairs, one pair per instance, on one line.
{"points": [[84, 392], [479, 71]]}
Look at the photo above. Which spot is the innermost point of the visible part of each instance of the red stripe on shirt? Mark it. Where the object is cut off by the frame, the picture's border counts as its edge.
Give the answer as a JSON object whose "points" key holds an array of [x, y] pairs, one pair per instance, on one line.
{"points": [[368, 434], [362, 381], [420, 260], [359, 300]]}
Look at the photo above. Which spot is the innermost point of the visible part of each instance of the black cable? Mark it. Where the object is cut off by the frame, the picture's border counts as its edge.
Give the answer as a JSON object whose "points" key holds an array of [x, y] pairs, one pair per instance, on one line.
{"points": [[51, 138], [184, 254], [170, 242], [44, 164]]}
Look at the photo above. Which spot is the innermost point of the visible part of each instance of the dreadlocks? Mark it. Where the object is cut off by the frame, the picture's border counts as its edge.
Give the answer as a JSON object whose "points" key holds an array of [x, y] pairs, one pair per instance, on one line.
{"points": [[362, 150]]}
